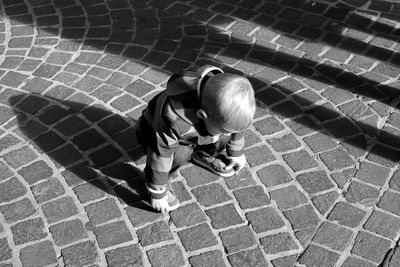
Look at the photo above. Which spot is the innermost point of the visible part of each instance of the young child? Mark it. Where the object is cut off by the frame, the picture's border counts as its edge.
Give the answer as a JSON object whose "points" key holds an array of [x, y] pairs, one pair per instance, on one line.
{"points": [[201, 113]]}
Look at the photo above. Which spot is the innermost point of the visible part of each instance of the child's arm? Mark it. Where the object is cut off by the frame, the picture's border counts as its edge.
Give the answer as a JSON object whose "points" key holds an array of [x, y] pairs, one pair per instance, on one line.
{"points": [[234, 150], [160, 156]]}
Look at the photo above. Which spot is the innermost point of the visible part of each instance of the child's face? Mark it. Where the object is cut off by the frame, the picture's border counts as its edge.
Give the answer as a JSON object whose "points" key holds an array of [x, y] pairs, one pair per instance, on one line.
{"points": [[214, 128]]}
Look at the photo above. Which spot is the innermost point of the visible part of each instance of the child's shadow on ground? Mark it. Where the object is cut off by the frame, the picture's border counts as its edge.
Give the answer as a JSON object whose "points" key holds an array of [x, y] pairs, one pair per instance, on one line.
{"points": [[91, 143]]}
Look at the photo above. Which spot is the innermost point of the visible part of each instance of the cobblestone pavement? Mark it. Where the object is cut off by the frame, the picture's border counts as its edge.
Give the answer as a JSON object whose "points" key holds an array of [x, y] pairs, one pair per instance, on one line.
{"points": [[321, 187]]}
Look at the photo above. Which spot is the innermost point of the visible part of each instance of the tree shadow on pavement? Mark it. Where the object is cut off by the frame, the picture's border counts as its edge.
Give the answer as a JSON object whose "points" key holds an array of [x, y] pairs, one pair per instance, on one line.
{"points": [[195, 36], [91, 144]]}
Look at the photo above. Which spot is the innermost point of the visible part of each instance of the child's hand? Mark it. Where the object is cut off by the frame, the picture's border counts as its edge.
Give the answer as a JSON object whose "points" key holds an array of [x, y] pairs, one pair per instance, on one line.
{"points": [[237, 163]]}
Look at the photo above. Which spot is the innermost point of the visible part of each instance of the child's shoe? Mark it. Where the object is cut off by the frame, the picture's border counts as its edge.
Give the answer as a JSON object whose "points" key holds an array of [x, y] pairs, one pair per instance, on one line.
{"points": [[162, 200], [214, 164]]}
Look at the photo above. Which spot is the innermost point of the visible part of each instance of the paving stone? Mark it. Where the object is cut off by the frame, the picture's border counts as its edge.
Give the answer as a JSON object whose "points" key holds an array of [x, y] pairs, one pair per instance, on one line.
{"points": [[288, 197], [242, 179], [181, 192], [166, 256], [383, 224], [258, 155], [277, 243], [336, 159], [105, 155], [274, 175], [52, 114], [337, 95], [320, 142], [125, 103], [130, 255], [113, 124], [356, 146], [188, 215], [314, 182], [304, 236], [212, 194], [8, 141], [211, 259], [302, 218], [253, 257], [250, 138], [71, 126], [224, 216], [39, 254], [90, 191], [13, 79], [80, 254], [372, 173], [5, 250], [27, 231], [154, 233], [266, 219], [19, 157], [269, 97], [49, 141], [237, 239], [324, 113], [285, 143], [47, 190], [112, 234], [300, 160], [196, 176], [285, 261], [370, 247], [11, 189], [59, 209], [333, 236], [389, 202], [141, 213], [17, 210], [6, 115], [394, 182], [362, 193], [37, 85], [197, 237], [342, 178], [78, 173], [356, 262], [383, 155], [88, 84], [251, 197], [46, 70], [66, 155], [139, 88], [268, 126], [287, 109], [103, 211], [342, 128], [318, 256], [346, 214], [68, 232], [325, 201]]}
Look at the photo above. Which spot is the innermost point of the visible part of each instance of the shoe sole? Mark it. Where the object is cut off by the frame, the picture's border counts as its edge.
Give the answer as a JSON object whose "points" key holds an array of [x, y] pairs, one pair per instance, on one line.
{"points": [[207, 167]]}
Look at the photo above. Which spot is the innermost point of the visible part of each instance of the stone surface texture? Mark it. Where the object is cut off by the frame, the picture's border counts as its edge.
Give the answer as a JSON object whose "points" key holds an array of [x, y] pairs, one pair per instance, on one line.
{"points": [[321, 186]]}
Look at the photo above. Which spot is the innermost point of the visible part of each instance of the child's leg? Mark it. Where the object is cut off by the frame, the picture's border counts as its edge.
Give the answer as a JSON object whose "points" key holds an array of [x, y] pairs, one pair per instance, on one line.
{"points": [[181, 157]]}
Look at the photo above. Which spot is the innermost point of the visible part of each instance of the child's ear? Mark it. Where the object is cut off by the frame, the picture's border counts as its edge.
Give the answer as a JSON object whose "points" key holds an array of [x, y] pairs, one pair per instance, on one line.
{"points": [[201, 114]]}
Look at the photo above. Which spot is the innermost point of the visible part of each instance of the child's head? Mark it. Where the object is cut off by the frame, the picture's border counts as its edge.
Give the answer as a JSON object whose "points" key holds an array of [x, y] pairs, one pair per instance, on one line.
{"points": [[228, 103]]}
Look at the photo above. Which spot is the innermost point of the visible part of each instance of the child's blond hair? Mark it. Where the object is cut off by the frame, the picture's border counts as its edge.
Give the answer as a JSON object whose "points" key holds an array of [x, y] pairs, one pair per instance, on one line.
{"points": [[229, 100]]}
